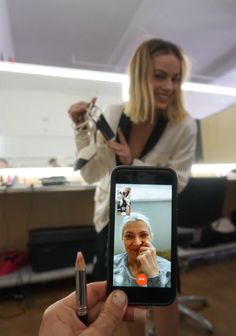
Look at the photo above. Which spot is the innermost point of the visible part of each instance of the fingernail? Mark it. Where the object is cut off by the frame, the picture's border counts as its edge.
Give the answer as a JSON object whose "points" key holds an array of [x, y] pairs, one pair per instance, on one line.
{"points": [[119, 298], [141, 315]]}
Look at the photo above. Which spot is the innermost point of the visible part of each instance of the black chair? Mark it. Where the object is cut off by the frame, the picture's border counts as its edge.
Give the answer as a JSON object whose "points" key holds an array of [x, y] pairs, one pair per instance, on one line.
{"points": [[200, 203]]}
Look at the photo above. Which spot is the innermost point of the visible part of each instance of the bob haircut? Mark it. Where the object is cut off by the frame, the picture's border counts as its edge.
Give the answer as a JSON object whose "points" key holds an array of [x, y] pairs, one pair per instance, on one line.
{"points": [[140, 71], [133, 217]]}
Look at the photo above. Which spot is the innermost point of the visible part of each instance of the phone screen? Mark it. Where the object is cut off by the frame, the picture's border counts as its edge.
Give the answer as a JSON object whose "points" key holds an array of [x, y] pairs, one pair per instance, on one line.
{"points": [[142, 256]]}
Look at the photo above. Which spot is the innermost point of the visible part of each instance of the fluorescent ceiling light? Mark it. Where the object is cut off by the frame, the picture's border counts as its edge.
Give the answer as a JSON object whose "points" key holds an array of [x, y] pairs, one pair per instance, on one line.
{"points": [[208, 88], [104, 77], [203, 169], [51, 71], [37, 171], [212, 169]]}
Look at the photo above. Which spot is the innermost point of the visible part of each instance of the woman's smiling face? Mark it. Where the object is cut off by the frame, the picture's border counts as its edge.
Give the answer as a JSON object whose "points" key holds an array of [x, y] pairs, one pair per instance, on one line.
{"points": [[135, 234], [166, 79]]}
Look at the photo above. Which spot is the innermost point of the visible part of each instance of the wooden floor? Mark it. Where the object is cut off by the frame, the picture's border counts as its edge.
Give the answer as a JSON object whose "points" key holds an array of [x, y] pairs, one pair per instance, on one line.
{"points": [[216, 281]]}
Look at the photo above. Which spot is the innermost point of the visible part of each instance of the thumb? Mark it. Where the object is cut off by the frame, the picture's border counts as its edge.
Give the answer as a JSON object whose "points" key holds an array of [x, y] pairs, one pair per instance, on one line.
{"points": [[111, 314], [93, 101]]}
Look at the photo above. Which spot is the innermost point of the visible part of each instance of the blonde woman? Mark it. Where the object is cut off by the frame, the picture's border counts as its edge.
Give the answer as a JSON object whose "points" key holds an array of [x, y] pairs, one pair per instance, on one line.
{"points": [[153, 129]]}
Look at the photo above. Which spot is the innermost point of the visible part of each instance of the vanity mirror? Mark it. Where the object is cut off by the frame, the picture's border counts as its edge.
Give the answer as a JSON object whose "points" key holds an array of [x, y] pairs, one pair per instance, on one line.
{"points": [[35, 126], [33, 110]]}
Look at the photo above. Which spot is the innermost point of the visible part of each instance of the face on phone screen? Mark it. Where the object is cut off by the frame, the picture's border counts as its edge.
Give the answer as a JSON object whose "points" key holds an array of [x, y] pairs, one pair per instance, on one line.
{"points": [[142, 235]]}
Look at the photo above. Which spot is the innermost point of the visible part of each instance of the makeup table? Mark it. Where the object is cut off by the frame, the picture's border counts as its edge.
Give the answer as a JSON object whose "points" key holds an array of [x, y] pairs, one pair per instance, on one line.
{"points": [[26, 276], [25, 208]]}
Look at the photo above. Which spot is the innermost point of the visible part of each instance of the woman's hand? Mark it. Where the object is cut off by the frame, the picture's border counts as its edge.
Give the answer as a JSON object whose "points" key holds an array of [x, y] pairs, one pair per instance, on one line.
{"points": [[60, 318], [77, 111], [148, 259], [122, 149]]}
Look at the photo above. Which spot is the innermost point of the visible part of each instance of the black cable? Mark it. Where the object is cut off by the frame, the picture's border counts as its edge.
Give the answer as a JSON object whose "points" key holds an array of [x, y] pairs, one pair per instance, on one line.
{"points": [[8, 297]]}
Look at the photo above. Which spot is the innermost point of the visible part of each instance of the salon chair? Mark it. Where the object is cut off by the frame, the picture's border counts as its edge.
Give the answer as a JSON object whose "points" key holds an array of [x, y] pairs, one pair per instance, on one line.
{"points": [[200, 203]]}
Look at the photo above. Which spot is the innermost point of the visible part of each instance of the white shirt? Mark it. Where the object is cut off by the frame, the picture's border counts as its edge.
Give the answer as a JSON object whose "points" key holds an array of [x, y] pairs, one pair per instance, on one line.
{"points": [[175, 149]]}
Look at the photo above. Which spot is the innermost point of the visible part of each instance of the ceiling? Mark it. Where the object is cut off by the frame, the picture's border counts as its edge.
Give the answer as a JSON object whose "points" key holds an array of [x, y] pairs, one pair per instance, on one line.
{"points": [[102, 34]]}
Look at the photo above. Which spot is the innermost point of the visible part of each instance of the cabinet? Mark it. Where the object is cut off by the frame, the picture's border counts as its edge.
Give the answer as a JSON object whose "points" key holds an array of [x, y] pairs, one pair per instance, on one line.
{"points": [[23, 209]]}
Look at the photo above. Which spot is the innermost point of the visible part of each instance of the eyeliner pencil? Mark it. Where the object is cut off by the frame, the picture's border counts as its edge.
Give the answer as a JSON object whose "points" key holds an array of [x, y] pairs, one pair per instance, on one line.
{"points": [[81, 289]]}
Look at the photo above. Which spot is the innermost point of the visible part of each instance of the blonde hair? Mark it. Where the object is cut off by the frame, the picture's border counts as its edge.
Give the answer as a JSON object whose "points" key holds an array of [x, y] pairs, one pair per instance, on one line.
{"points": [[140, 70]]}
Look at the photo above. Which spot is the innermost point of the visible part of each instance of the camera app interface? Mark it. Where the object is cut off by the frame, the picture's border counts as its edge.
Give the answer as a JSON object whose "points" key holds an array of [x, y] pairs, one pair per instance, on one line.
{"points": [[142, 235]]}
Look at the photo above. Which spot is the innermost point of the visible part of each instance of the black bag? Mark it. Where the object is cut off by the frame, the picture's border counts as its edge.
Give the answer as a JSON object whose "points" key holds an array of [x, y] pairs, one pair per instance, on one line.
{"points": [[56, 248]]}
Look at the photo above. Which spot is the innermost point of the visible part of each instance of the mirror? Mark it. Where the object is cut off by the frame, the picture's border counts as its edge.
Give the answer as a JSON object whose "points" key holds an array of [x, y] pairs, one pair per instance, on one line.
{"points": [[35, 126]]}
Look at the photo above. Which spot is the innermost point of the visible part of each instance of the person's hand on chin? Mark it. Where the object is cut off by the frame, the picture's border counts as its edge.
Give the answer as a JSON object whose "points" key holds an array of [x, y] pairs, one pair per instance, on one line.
{"points": [[147, 259]]}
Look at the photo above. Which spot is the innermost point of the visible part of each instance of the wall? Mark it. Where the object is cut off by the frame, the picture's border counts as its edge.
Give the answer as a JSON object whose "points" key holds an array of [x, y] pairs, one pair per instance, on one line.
{"points": [[33, 111], [35, 126], [219, 137], [6, 46]]}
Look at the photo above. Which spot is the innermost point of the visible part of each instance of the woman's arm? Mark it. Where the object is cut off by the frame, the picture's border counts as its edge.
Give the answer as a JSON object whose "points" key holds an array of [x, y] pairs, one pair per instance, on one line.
{"points": [[104, 160]]}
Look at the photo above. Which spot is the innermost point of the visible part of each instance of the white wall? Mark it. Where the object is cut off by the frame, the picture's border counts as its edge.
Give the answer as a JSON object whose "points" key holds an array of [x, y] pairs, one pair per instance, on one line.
{"points": [[6, 45], [34, 124], [219, 137]]}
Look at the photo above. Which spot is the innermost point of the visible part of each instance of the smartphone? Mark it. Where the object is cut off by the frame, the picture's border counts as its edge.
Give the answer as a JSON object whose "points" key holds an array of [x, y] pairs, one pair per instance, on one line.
{"points": [[142, 256]]}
